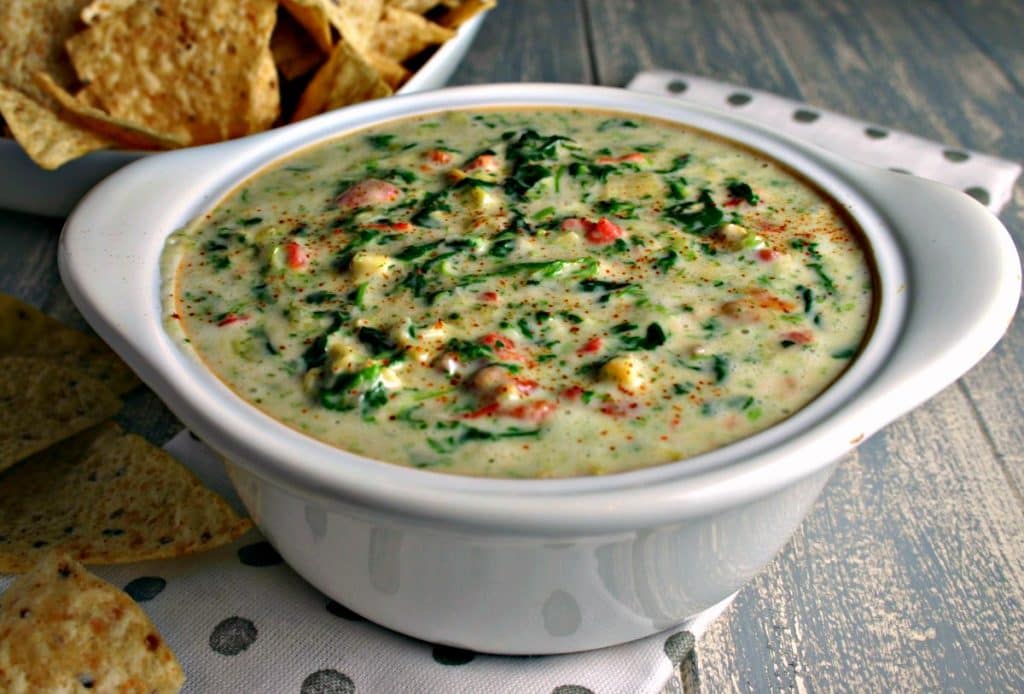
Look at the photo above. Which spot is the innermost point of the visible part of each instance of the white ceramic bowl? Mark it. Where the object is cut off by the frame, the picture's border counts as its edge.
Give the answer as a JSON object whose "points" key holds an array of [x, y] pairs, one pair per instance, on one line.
{"points": [[29, 188], [546, 566]]}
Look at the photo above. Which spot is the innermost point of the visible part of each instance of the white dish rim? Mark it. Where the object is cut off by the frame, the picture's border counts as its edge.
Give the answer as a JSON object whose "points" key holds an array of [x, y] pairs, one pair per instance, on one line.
{"points": [[860, 402]]}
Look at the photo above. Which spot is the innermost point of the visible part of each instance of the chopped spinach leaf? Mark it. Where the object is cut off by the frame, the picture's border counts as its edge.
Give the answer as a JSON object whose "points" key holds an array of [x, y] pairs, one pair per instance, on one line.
{"points": [[612, 123], [432, 202], [667, 261], [376, 340], [320, 297], [743, 191], [700, 216], [382, 141], [677, 163], [654, 337]]}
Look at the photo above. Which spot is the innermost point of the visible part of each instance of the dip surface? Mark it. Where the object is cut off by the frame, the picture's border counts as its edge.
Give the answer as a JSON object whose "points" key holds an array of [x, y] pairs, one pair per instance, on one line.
{"points": [[542, 293]]}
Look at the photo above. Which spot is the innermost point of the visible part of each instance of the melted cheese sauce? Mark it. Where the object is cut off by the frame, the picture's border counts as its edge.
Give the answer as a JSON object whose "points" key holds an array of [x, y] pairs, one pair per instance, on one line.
{"points": [[524, 294]]}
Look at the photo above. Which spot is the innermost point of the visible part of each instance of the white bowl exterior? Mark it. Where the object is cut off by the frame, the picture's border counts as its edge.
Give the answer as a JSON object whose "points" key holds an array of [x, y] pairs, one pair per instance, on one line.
{"points": [[29, 188], [509, 593], [635, 552]]}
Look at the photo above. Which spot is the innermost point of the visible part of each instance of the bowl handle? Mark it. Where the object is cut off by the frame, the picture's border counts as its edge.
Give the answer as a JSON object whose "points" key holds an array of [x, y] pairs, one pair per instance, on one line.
{"points": [[106, 248], [963, 284]]}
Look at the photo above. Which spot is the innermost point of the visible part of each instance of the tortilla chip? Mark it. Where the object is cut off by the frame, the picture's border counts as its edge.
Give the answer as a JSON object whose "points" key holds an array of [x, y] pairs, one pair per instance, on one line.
{"points": [[47, 139], [33, 34], [417, 6], [265, 96], [126, 133], [402, 34], [28, 332], [42, 402], [198, 69], [106, 497], [294, 54], [98, 10], [346, 78], [313, 18], [64, 630], [354, 19], [464, 11], [393, 73]]}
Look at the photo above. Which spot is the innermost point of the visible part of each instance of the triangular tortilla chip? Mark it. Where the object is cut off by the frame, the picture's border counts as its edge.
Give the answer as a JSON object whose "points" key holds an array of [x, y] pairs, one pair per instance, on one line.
{"points": [[33, 34], [200, 69], [64, 630], [25, 331], [417, 6], [346, 78], [313, 18], [107, 497], [126, 133], [464, 11], [393, 73], [402, 34], [42, 402], [46, 138], [354, 19], [98, 10], [294, 53]]}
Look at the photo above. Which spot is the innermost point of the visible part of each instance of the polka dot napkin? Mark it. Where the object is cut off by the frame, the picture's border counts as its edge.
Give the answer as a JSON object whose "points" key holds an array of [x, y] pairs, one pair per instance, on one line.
{"points": [[240, 620], [988, 179]]}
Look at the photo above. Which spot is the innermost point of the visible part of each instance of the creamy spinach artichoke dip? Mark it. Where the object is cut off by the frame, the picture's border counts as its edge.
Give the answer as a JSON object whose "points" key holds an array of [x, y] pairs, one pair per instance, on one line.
{"points": [[527, 293]]}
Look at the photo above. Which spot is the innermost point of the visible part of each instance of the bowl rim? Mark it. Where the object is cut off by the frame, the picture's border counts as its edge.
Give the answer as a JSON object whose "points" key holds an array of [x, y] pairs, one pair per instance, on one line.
{"points": [[853, 407]]}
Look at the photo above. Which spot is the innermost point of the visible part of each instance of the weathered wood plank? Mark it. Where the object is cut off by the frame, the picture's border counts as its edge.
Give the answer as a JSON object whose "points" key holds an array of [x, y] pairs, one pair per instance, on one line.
{"points": [[529, 40], [995, 386], [27, 264], [719, 40], [894, 582], [908, 573], [994, 25]]}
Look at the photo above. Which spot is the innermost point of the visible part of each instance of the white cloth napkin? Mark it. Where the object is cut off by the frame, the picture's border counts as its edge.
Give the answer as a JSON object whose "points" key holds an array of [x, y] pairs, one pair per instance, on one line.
{"points": [[986, 178]]}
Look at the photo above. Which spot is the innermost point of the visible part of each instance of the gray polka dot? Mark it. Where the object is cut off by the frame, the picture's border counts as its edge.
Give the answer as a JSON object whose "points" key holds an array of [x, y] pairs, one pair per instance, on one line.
{"points": [[339, 610], [316, 521], [955, 155], [232, 636], [802, 115], [571, 689], [145, 588], [327, 682], [677, 86], [739, 98], [678, 646], [979, 194], [450, 655], [876, 133], [259, 554], [561, 614]]}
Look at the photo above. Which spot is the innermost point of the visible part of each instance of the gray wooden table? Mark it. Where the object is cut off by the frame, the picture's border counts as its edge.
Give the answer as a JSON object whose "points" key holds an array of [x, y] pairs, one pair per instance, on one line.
{"points": [[909, 573]]}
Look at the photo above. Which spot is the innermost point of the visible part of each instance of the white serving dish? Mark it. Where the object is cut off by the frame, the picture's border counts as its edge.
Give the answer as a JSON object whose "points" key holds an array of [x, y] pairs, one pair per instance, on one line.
{"points": [[546, 566], [28, 188]]}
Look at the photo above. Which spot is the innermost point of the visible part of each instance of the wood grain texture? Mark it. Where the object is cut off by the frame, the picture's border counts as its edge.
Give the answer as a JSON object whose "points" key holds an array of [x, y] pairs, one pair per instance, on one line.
{"points": [[718, 40], [529, 41], [907, 576], [995, 27], [895, 582]]}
